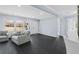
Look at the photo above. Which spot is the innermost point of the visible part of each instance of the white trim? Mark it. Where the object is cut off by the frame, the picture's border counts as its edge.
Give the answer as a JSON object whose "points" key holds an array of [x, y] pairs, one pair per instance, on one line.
{"points": [[58, 26]]}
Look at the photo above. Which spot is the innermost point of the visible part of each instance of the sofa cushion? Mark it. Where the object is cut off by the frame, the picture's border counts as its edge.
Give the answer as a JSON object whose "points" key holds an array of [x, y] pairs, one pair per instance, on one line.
{"points": [[14, 37], [18, 33], [3, 33], [1, 37]]}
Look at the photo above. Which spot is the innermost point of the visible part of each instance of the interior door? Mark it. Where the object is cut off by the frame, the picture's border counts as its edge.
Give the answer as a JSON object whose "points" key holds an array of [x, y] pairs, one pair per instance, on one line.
{"points": [[33, 26], [72, 28]]}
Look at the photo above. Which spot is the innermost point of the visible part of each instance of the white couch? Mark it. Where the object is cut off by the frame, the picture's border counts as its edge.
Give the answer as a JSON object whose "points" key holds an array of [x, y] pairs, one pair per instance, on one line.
{"points": [[21, 37], [3, 36]]}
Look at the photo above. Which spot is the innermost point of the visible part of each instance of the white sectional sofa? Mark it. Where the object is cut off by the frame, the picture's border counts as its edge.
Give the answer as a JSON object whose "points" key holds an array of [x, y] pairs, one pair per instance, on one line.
{"points": [[21, 37], [3, 36]]}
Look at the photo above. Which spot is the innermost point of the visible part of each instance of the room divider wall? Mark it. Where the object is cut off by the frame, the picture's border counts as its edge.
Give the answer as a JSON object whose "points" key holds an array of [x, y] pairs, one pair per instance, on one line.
{"points": [[78, 20]]}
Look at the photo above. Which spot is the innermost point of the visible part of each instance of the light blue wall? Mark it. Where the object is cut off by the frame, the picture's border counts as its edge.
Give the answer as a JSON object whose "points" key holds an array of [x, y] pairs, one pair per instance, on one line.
{"points": [[49, 26], [1, 22]]}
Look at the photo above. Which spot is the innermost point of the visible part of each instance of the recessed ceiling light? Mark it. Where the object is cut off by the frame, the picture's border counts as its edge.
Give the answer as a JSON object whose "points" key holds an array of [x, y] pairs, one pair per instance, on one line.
{"points": [[41, 13], [18, 5]]}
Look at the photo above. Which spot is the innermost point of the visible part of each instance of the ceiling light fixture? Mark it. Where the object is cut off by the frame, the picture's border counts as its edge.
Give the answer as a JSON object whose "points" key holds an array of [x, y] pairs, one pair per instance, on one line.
{"points": [[18, 5], [41, 13]]}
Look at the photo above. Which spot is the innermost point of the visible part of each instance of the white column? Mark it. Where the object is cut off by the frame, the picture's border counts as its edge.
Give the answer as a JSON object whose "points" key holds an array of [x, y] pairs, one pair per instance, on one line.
{"points": [[59, 28]]}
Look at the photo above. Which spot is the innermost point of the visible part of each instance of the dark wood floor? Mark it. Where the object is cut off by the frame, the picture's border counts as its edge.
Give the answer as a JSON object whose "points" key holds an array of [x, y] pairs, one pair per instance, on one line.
{"points": [[39, 44]]}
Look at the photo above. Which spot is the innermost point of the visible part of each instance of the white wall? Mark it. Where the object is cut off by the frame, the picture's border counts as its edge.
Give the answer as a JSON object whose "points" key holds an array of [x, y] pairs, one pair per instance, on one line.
{"points": [[49, 26], [55, 26], [1, 23]]}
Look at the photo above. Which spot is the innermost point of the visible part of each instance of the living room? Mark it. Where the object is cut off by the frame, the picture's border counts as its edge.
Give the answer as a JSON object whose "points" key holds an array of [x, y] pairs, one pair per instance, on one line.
{"points": [[37, 29]]}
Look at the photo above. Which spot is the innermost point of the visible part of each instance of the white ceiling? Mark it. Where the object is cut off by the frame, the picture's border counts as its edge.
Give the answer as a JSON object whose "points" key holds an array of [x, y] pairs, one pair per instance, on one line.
{"points": [[64, 10], [24, 11], [32, 12]]}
